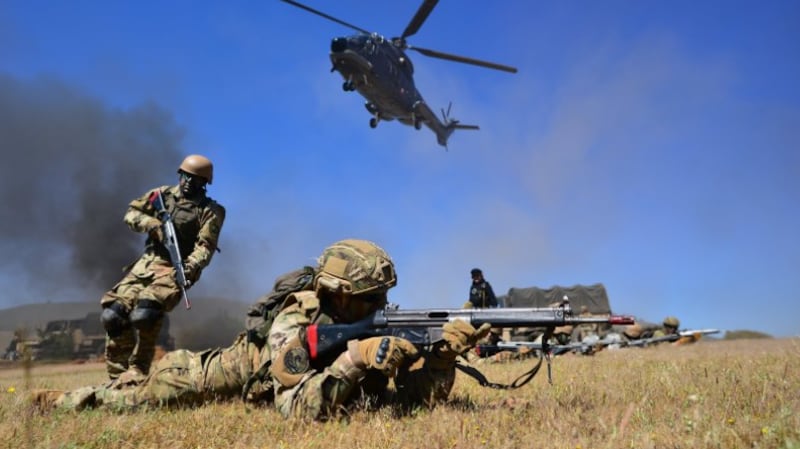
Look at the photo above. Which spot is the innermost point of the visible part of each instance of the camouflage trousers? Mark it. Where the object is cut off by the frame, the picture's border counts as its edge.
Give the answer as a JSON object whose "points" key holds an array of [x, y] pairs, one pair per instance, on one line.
{"points": [[151, 278], [181, 378]]}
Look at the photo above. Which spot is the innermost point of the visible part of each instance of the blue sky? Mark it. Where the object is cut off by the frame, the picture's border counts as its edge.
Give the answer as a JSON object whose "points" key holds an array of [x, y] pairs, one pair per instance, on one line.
{"points": [[650, 146]]}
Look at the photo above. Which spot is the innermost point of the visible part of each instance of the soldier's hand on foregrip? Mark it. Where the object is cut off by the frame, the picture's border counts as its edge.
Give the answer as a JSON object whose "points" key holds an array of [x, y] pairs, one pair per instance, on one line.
{"points": [[156, 233], [461, 336], [385, 354]]}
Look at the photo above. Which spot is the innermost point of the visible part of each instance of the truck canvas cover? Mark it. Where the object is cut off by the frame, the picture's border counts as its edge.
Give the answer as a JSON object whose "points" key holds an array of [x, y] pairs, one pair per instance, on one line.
{"points": [[594, 297]]}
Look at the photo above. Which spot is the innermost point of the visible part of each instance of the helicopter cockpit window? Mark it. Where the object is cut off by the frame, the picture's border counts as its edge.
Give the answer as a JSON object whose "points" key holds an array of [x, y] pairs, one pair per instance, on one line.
{"points": [[363, 44]]}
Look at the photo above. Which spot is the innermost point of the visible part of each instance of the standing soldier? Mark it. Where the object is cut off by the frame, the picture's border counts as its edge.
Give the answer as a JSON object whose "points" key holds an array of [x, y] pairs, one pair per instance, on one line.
{"points": [[133, 310], [481, 294]]}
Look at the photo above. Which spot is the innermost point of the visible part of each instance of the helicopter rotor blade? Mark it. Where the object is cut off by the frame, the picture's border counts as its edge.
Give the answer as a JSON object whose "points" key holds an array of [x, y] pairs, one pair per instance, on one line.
{"points": [[463, 59], [419, 18], [322, 14]]}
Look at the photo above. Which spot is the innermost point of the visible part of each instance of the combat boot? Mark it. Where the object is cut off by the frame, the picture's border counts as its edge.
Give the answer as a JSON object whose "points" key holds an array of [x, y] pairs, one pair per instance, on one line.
{"points": [[45, 400]]}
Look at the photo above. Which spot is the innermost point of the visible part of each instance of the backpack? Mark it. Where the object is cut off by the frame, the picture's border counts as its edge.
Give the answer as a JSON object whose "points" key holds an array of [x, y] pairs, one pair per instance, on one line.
{"points": [[261, 314]]}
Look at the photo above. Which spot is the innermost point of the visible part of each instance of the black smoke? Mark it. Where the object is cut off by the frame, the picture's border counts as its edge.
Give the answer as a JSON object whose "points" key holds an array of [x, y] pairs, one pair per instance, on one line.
{"points": [[70, 165]]}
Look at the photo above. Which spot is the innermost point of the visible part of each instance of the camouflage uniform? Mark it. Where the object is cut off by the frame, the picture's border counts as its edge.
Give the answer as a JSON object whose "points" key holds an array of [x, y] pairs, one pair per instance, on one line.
{"points": [[323, 388], [180, 378], [150, 281]]}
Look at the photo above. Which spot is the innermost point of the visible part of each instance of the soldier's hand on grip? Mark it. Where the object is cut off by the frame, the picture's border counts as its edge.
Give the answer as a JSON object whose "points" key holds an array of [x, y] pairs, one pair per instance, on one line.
{"points": [[192, 272], [385, 354]]}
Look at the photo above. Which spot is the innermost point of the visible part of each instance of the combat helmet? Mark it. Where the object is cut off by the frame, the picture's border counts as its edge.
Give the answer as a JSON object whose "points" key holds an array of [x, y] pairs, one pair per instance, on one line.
{"points": [[633, 331], [199, 166], [356, 267], [671, 321]]}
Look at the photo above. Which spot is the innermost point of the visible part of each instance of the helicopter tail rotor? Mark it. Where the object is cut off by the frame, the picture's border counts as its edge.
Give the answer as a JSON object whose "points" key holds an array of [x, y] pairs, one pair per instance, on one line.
{"points": [[452, 123], [446, 115]]}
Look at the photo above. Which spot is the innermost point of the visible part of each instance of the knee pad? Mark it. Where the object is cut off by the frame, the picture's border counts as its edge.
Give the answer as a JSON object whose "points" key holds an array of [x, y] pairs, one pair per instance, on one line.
{"points": [[147, 314], [115, 319]]}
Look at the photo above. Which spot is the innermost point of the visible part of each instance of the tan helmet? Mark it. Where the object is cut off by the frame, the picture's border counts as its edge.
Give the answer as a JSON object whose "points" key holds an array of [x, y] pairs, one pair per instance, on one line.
{"points": [[355, 266], [671, 321], [633, 331], [199, 166]]}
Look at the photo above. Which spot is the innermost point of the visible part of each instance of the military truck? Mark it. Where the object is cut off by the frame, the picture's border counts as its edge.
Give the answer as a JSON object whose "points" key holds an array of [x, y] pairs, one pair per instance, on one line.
{"points": [[79, 339], [591, 300]]}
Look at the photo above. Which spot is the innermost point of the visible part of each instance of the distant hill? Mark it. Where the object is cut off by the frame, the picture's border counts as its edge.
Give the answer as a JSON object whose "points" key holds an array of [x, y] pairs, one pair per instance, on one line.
{"points": [[210, 322]]}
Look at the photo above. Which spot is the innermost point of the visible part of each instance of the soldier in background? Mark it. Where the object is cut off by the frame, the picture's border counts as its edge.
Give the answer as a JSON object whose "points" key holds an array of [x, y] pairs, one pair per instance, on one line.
{"points": [[13, 350], [669, 326], [586, 330], [481, 295], [638, 331], [133, 310]]}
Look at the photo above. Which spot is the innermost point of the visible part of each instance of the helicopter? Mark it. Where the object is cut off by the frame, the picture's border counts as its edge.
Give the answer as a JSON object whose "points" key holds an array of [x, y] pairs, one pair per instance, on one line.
{"points": [[381, 71]]}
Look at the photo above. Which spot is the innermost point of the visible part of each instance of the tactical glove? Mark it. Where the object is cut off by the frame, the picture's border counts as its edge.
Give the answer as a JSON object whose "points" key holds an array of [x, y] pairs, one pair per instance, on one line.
{"points": [[192, 272], [460, 337], [155, 233], [385, 354]]}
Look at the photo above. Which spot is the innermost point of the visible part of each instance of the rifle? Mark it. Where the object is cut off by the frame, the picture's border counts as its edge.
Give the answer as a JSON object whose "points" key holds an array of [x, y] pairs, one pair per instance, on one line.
{"points": [[589, 345], [171, 243], [423, 327], [696, 334]]}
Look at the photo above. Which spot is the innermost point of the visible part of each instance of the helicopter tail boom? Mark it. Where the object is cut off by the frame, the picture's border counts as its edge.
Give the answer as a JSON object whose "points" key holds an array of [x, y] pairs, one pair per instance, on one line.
{"points": [[443, 128]]}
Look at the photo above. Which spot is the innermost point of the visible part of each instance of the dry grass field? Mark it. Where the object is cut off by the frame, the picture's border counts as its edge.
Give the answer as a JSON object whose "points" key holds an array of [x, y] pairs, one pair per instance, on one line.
{"points": [[723, 394]]}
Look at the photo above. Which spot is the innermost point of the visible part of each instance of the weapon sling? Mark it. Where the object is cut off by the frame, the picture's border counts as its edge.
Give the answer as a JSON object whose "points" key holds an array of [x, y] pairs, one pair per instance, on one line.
{"points": [[523, 379]]}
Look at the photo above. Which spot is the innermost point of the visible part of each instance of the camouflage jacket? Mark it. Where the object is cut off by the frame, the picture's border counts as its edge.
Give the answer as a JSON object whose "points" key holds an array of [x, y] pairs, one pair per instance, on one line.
{"points": [[323, 389], [197, 223]]}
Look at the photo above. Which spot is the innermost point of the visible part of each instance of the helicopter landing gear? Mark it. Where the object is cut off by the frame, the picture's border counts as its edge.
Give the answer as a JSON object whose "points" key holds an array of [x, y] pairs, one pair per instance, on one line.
{"points": [[417, 123], [373, 122], [348, 86]]}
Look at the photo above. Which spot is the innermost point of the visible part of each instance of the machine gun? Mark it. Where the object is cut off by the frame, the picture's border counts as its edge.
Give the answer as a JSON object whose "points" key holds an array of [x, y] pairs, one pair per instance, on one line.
{"points": [[423, 327], [171, 243]]}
